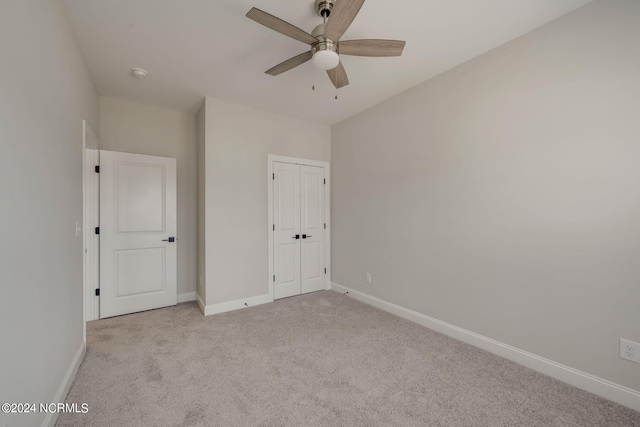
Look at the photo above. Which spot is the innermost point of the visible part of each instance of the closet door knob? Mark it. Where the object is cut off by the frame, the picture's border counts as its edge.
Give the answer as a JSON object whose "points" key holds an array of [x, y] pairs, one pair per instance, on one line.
{"points": [[297, 236]]}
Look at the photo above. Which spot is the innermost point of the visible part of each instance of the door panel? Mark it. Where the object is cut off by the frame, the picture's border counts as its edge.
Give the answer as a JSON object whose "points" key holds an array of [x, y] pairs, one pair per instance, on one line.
{"points": [[312, 197], [137, 213], [312, 225], [139, 192], [286, 214], [139, 271], [288, 204], [312, 261], [287, 265]]}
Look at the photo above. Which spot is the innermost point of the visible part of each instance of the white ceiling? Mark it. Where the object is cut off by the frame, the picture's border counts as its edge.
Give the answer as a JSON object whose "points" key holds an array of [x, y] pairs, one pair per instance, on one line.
{"points": [[198, 48]]}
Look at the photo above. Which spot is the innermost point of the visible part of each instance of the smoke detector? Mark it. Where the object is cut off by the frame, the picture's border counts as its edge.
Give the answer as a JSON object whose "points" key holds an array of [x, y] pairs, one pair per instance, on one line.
{"points": [[139, 73]]}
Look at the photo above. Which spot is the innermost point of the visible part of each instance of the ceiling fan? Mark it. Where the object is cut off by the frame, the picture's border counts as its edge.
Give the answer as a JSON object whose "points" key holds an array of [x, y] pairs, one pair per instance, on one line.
{"points": [[325, 39]]}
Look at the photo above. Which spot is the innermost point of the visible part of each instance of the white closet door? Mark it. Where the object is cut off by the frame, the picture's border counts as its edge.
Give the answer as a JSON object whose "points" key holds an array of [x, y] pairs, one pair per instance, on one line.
{"points": [[137, 233], [286, 235], [312, 229]]}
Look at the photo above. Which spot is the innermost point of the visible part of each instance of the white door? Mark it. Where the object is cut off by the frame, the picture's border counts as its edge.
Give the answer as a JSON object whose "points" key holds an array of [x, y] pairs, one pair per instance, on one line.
{"points": [[137, 233], [312, 229], [286, 235], [298, 215]]}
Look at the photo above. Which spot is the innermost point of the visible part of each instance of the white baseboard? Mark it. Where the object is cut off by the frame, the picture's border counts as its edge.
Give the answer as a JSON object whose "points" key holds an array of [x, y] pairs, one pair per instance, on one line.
{"points": [[234, 305], [63, 390], [186, 297], [596, 385]]}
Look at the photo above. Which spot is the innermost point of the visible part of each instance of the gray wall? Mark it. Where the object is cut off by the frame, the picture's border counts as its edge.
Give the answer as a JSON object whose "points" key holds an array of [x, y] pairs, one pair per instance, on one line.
{"points": [[503, 196], [238, 140], [143, 129], [46, 93]]}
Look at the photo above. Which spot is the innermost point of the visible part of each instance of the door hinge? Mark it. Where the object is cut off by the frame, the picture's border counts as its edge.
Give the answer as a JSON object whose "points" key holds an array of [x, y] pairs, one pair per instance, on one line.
{"points": [[274, 176], [325, 271], [97, 169], [97, 292], [274, 227], [325, 181], [325, 225], [97, 230], [274, 277]]}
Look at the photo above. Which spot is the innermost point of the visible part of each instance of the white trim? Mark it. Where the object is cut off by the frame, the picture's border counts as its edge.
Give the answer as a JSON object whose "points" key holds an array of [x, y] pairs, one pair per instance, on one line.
{"points": [[327, 232], [90, 219], [186, 297], [85, 273], [327, 212], [591, 383], [296, 160], [61, 395], [234, 305]]}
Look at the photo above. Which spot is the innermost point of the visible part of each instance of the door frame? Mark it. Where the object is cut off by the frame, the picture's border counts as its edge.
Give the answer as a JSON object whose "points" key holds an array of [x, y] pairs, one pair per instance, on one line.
{"points": [[90, 219], [271, 158]]}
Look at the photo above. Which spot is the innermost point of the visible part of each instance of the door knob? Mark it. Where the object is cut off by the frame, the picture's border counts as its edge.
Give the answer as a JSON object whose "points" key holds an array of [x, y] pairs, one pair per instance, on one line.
{"points": [[297, 236], [304, 236], [170, 240]]}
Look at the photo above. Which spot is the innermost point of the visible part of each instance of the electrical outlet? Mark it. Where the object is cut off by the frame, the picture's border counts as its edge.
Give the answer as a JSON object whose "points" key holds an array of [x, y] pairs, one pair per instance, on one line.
{"points": [[367, 277], [630, 350]]}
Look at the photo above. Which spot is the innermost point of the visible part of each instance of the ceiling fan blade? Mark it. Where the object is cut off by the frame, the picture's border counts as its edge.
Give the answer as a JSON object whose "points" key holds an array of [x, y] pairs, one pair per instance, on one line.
{"points": [[289, 64], [371, 47], [280, 26], [338, 76], [341, 17]]}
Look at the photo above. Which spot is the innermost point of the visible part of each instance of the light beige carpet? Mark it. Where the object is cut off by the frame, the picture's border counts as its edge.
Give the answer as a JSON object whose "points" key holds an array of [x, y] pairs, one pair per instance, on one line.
{"points": [[320, 359]]}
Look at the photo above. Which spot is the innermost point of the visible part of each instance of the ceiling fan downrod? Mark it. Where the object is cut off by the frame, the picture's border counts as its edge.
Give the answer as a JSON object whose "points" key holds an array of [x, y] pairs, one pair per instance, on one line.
{"points": [[324, 8]]}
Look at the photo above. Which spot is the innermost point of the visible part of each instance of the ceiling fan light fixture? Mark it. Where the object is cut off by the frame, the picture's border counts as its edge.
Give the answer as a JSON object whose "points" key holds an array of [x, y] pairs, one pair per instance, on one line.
{"points": [[325, 54], [325, 59]]}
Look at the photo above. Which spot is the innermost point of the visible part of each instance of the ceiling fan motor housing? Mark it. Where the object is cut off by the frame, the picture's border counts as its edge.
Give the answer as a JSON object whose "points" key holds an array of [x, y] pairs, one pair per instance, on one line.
{"points": [[324, 7]]}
